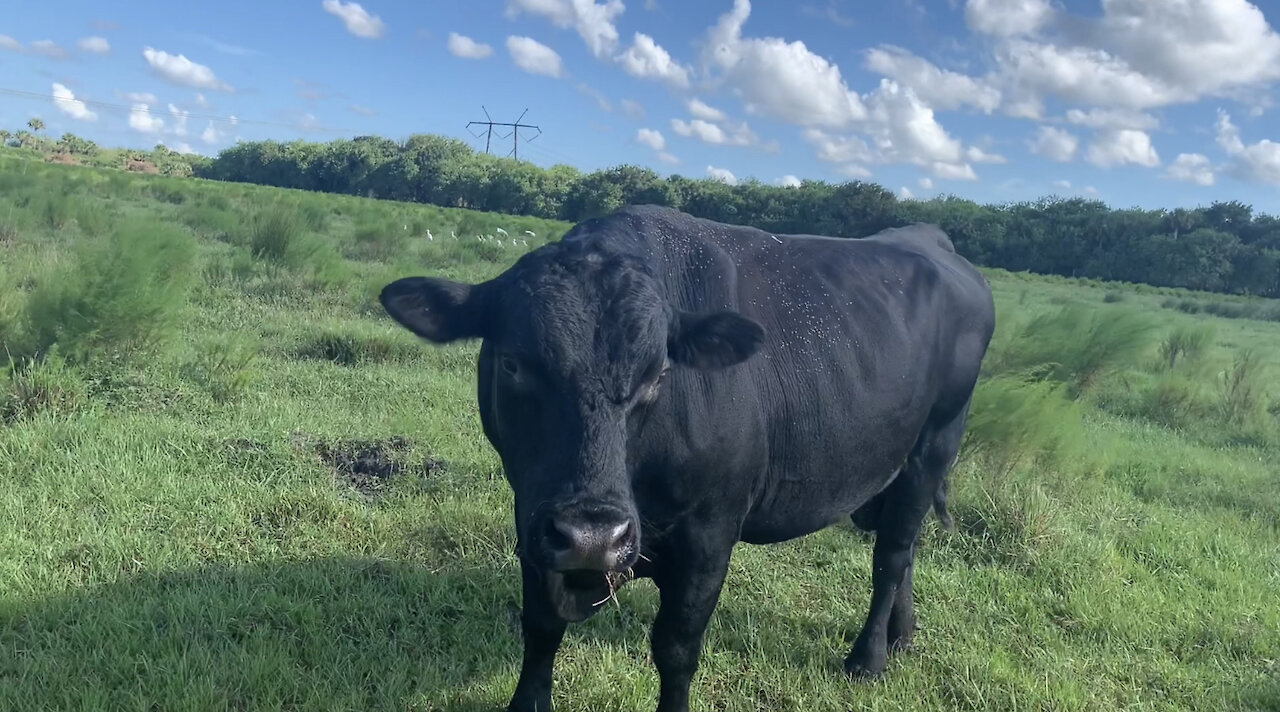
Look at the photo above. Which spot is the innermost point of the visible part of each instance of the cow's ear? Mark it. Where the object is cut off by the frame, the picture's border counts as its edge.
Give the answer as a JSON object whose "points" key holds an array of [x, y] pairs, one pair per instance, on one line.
{"points": [[712, 340], [436, 309]]}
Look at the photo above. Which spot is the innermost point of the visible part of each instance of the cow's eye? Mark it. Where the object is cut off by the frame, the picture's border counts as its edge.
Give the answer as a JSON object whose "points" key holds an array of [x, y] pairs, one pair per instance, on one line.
{"points": [[509, 365]]}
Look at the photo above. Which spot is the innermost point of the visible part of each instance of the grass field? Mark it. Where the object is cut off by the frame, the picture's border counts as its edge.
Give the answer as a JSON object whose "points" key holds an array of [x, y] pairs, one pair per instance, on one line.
{"points": [[229, 482]]}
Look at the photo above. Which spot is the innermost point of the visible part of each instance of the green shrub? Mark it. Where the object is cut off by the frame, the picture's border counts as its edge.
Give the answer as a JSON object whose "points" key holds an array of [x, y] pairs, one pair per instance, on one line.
{"points": [[222, 367], [1186, 343], [117, 297], [1241, 387], [273, 231], [1017, 418], [1076, 345]]}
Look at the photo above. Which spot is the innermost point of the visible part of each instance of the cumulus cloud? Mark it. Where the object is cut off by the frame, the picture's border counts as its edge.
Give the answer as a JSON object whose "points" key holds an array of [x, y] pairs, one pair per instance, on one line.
{"points": [[700, 110], [1191, 167], [722, 174], [715, 134], [781, 79], [1259, 162], [48, 48], [179, 120], [1055, 144], [534, 57], [1113, 147], [139, 97], [143, 121], [68, 104], [651, 138], [789, 181], [177, 69], [667, 157], [356, 19], [1006, 18], [1062, 184], [211, 134], [593, 22], [904, 193], [645, 59], [96, 45], [10, 44], [1112, 119], [467, 48], [941, 88], [925, 183], [977, 155], [953, 171]]}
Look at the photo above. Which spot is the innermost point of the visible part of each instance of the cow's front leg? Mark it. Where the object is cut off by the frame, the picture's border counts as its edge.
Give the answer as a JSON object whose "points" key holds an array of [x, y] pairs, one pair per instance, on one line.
{"points": [[689, 587], [542, 631]]}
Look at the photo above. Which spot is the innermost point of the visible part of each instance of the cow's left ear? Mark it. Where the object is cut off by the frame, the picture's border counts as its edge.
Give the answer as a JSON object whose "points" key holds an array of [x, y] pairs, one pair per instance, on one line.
{"points": [[712, 340], [438, 310]]}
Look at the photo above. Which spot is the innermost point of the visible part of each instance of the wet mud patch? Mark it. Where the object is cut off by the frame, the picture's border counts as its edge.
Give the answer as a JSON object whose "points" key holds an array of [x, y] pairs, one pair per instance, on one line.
{"points": [[369, 466]]}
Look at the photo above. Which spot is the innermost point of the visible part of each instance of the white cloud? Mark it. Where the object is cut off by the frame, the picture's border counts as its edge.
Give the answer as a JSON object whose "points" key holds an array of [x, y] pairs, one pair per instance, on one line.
{"points": [[953, 171], [1062, 184], [651, 138], [211, 134], [1082, 75], [1090, 190], [68, 104], [96, 45], [179, 120], [632, 109], [180, 70], [140, 97], [838, 149], [853, 170], [1113, 147], [1006, 18], [48, 48], [10, 44], [667, 157], [1199, 46], [903, 128], [714, 134], [1055, 144], [722, 174], [940, 88], [467, 48], [534, 57], [789, 181], [977, 155], [700, 110], [201, 102], [143, 121], [1112, 119], [1191, 167], [182, 147], [1258, 162], [904, 193], [593, 23], [926, 183], [356, 19], [779, 78], [645, 59]]}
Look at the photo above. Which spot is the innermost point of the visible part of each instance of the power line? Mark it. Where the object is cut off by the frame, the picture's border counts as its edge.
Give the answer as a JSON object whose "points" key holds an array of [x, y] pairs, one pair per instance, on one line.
{"points": [[514, 134]]}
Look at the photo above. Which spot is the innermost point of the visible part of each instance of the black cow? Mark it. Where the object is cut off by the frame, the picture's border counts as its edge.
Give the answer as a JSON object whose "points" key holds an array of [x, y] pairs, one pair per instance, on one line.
{"points": [[660, 387]]}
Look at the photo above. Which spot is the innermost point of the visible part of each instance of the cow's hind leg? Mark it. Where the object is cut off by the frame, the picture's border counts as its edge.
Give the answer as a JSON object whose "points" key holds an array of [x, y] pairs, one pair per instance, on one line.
{"points": [[891, 620]]}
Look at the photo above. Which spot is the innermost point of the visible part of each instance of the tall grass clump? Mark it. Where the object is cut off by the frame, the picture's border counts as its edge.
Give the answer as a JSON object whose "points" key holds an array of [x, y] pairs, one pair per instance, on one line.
{"points": [[1242, 387], [32, 387], [1076, 345], [273, 231], [1017, 419], [222, 366], [116, 297], [1187, 344]]}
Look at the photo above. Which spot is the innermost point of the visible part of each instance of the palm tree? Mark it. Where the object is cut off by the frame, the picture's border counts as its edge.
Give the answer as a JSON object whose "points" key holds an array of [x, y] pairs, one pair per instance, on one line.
{"points": [[36, 124], [5, 135]]}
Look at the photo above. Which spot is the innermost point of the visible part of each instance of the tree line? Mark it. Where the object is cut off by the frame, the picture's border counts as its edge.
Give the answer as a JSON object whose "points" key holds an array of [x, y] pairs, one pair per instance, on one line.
{"points": [[1223, 247]]}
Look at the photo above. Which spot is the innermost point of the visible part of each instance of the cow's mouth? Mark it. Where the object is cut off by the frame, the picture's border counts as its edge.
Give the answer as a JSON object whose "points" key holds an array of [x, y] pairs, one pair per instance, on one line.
{"points": [[578, 594]]}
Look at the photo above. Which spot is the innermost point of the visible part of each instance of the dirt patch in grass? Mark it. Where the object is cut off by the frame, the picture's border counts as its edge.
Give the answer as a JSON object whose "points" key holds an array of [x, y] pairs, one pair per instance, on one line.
{"points": [[368, 466]]}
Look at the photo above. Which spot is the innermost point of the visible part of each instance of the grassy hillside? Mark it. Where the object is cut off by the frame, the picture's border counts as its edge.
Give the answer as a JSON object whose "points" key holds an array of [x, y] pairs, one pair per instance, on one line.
{"points": [[229, 482]]}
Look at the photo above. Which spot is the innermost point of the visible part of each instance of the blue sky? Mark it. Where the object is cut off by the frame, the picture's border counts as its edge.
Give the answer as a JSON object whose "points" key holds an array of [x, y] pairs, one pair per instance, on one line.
{"points": [[1154, 103]]}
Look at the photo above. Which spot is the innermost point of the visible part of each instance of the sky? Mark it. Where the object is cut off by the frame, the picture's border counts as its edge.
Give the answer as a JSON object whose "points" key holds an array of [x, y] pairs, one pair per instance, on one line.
{"points": [[1147, 103]]}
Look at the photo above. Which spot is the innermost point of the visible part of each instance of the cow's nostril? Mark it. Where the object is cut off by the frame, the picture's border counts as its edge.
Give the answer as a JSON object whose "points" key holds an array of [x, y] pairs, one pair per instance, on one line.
{"points": [[620, 536], [560, 536]]}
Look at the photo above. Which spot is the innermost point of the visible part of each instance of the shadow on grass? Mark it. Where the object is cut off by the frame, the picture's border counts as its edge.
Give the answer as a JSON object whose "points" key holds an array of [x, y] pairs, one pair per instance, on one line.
{"points": [[338, 633]]}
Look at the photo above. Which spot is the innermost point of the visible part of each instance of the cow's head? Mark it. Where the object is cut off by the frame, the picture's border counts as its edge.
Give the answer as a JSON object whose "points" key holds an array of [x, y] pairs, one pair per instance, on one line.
{"points": [[576, 344]]}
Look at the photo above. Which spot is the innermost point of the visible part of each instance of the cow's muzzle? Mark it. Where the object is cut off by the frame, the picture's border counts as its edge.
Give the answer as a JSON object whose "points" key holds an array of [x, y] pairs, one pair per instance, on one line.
{"points": [[588, 550]]}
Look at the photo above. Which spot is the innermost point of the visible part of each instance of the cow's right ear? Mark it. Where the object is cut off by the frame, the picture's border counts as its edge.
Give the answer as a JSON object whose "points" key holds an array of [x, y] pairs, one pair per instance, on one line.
{"points": [[438, 310]]}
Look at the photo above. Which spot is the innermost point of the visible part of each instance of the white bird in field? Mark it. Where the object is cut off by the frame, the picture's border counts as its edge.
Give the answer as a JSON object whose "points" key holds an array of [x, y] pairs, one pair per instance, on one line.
{"points": [[453, 234], [502, 231], [530, 233], [429, 235]]}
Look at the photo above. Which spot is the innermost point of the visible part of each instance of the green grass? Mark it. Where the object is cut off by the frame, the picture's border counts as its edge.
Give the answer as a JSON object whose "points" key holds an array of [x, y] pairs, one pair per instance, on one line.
{"points": [[203, 524]]}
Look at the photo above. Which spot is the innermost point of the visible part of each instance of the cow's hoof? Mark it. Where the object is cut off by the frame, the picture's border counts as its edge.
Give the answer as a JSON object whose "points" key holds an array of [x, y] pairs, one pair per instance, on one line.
{"points": [[863, 670]]}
